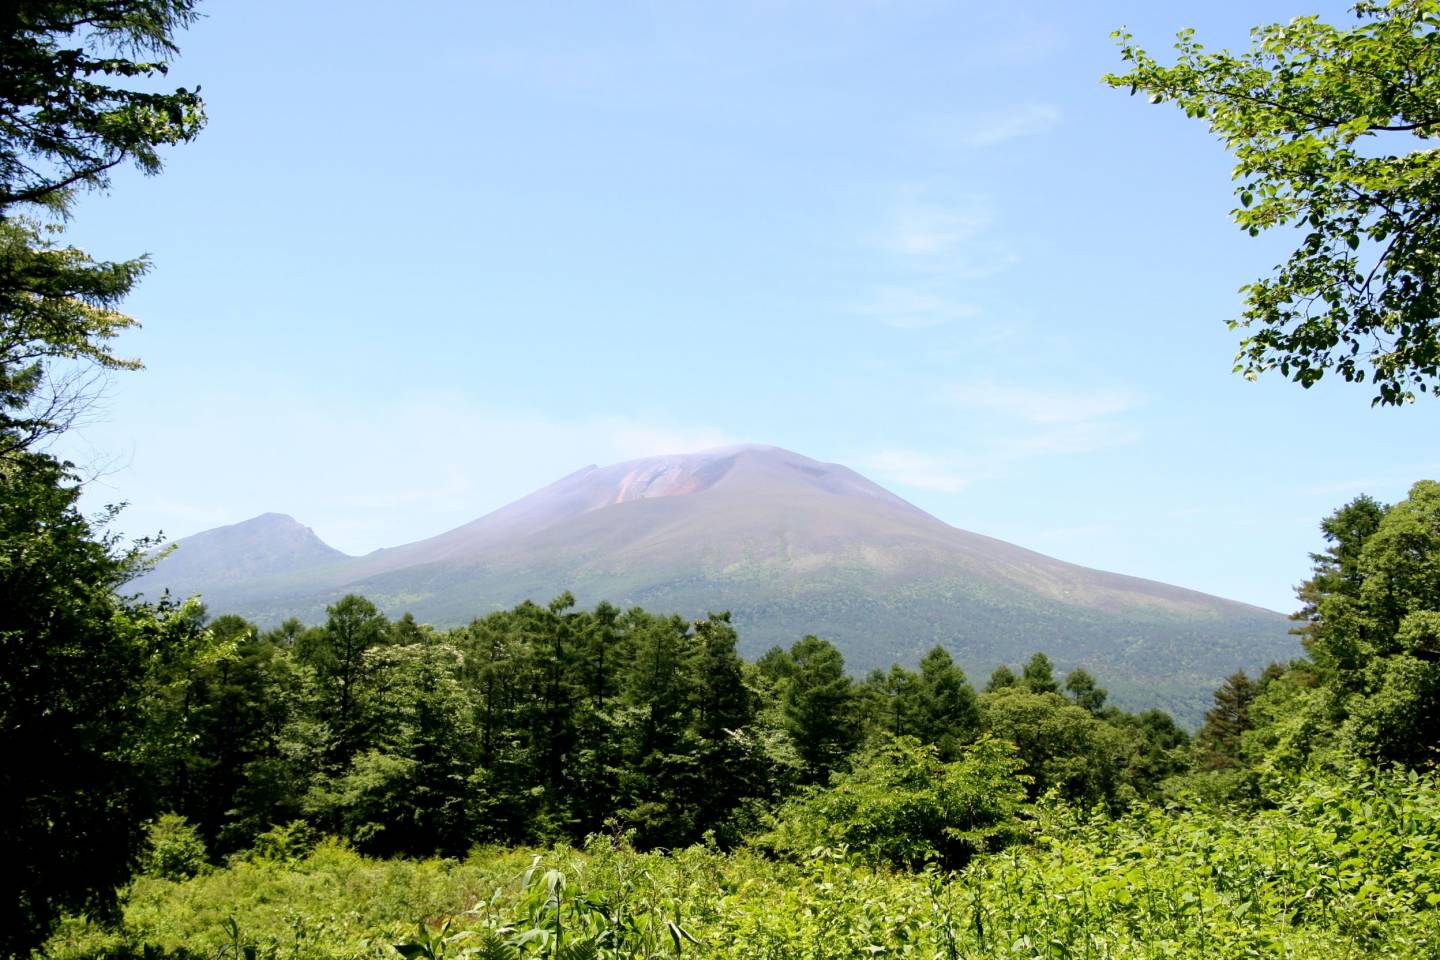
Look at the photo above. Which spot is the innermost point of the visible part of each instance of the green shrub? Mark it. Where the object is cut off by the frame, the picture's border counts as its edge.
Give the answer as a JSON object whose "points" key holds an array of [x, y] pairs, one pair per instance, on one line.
{"points": [[174, 850], [903, 806], [285, 844]]}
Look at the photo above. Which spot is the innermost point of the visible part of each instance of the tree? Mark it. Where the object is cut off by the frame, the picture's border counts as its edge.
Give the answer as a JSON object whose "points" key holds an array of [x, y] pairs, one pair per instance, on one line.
{"points": [[223, 717], [1371, 685], [67, 125], [1219, 738], [1337, 570], [1087, 693], [817, 699], [416, 788], [1038, 675], [905, 806], [661, 690], [893, 698], [1323, 122], [77, 658], [337, 655], [727, 769], [1393, 707], [1062, 746], [948, 714], [74, 786], [1001, 678]]}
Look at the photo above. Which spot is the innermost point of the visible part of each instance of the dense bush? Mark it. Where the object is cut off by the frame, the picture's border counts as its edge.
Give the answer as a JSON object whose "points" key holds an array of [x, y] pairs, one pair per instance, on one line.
{"points": [[903, 806], [174, 850]]}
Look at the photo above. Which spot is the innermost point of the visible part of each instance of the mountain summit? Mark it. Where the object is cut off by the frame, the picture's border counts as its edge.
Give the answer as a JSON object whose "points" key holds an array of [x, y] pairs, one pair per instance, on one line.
{"points": [[790, 545], [269, 545], [728, 497]]}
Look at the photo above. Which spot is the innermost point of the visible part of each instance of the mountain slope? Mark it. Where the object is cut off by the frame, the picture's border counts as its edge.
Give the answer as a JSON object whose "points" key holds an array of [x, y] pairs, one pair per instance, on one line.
{"points": [[790, 546], [269, 545]]}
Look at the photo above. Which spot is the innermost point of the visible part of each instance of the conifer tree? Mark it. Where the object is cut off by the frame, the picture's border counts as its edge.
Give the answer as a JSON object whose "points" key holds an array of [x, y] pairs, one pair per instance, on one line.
{"points": [[1038, 675]]}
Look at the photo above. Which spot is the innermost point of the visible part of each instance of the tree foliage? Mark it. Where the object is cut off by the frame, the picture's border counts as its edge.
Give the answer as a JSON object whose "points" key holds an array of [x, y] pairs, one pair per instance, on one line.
{"points": [[73, 106], [905, 806], [73, 95], [1369, 688], [82, 666], [1328, 127]]}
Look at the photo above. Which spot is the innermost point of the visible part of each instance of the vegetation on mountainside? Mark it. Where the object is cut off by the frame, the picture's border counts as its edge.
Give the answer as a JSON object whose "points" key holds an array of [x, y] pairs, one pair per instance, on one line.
{"points": [[1159, 656]]}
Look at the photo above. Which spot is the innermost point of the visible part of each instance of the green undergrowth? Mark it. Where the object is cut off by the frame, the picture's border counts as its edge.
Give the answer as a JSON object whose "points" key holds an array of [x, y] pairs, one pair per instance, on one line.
{"points": [[1343, 868]]}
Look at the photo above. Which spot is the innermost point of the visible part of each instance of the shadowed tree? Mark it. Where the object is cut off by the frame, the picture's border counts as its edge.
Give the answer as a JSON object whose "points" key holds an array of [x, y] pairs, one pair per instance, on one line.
{"points": [[948, 715], [337, 655]]}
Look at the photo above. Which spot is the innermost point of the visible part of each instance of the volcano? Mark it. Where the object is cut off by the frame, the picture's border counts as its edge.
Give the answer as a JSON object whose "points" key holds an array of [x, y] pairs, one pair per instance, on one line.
{"points": [[788, 545]]}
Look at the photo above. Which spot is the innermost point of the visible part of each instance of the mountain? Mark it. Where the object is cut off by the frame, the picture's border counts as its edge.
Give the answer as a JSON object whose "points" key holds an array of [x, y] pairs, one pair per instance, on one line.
{"points": [[789, 545], [269, 545]]}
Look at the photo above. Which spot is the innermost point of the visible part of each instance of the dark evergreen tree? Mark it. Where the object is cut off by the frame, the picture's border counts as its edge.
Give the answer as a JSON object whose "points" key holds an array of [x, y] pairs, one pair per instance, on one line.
{"points": [[660, 690], [336, 653], [947, 712], [1226, 721], [78, 98], [77, 742], [1038, 675], [728, 767], [817, 694], [225, 716]]}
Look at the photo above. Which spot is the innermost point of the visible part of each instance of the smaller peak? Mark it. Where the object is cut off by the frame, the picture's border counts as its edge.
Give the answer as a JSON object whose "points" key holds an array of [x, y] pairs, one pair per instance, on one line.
{"points": [[273, 518]]}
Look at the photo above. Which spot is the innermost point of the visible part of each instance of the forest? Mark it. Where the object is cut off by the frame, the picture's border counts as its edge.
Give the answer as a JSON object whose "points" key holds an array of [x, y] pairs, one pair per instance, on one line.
{"points": [[556, 782]]}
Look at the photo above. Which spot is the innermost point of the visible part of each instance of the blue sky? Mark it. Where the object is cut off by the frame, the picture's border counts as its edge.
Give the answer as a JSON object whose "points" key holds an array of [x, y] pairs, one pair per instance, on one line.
{"points": [[423, 261]]}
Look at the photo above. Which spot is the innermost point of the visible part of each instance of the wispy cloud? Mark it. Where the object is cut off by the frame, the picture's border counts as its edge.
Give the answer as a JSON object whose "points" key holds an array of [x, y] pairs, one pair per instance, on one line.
{"points": [[1025, 39], [925, 228], [914, 309], [925, 471], [998, 126], [1042, 404], [935, 233], [1016, 424], [931, 250], [995, 457], [1400, 478]]}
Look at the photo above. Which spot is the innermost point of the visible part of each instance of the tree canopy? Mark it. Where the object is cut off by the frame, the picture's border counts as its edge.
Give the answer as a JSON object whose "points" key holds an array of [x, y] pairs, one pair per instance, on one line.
{"points": [[69, 109], [1329, 126]]}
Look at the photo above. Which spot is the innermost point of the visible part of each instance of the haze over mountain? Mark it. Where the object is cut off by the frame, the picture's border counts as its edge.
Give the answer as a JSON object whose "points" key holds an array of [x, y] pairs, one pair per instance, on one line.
{"points": [[789, 545]]}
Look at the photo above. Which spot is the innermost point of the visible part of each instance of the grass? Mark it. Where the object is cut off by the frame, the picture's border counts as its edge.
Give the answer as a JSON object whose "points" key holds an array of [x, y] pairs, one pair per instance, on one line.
{"points": [[1343, 869]]}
